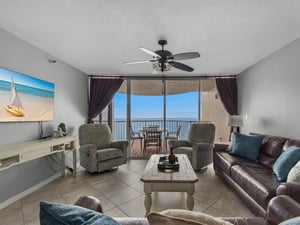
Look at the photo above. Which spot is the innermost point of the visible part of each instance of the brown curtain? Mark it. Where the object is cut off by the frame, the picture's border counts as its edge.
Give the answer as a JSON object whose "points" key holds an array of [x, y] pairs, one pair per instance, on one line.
{"points": [[227, 89], [102, 92]]}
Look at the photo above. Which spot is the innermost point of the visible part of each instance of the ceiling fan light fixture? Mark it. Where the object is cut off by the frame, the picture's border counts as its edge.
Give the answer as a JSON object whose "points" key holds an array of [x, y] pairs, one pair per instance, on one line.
{"points": [[157, 67], [163, 60]]}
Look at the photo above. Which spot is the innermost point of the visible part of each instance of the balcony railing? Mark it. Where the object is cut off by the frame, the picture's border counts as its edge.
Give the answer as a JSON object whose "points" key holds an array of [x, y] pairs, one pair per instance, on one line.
{"points": [[171, 125]]}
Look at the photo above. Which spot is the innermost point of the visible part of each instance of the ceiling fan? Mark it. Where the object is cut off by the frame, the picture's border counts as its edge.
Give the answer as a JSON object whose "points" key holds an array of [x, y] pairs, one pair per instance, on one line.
{"points": [[163, 60]]}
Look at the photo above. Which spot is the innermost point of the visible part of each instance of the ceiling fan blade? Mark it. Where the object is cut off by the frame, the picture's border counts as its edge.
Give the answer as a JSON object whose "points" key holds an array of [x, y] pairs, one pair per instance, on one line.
{"points": [[186, 55], [181, 66], [138, 62], [149, 52]]}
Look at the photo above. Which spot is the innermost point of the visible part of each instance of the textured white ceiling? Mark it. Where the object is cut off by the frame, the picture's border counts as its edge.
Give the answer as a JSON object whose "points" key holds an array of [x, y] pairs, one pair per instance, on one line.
{"points": [[96, 36]]}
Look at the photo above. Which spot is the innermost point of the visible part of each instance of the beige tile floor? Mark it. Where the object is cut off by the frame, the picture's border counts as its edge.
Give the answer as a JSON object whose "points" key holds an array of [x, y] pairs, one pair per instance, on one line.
{"points": [[121, 193]]}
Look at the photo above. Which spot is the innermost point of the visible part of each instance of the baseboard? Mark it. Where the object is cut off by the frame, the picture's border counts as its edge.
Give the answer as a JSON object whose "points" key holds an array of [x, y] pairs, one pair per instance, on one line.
{"points": [[28, 191]]}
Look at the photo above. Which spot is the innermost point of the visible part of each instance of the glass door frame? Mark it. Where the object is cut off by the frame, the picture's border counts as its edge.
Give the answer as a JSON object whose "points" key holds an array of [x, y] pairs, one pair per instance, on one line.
{"points": [[164, 81]]}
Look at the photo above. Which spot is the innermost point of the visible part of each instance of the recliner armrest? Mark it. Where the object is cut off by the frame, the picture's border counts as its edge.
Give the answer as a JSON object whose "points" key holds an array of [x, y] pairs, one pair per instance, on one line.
{"points": [[291, 189], [88, 157], [201, 155], [202, 147], [88, 149], [120, 145], [281, 208], [178, 143]]}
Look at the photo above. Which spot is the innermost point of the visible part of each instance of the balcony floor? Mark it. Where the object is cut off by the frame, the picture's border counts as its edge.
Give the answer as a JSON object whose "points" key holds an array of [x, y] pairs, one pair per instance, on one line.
{"points": [[137, 152]]}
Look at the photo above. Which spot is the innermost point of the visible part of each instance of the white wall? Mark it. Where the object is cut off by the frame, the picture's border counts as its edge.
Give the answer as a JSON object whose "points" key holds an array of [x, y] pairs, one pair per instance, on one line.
{"points": [[269, 94], [70, 107]]}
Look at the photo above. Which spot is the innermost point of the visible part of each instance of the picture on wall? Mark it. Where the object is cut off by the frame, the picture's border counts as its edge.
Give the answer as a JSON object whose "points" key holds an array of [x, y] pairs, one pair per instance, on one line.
{"points": [[25, 98]]}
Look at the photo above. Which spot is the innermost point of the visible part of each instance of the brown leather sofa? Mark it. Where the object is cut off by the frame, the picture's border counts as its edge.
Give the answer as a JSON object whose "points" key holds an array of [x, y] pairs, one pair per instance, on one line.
{"points": [[279, 209], [255, 183]]}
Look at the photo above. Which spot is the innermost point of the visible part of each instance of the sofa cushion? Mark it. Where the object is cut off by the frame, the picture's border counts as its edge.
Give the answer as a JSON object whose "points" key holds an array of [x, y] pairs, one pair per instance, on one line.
{"points": [[183, 217], [257, 180], [246, 146], [270, 149], [291, 142], [285, 162], [62, 214], [109, 153], [225, 161], [103, 146]]}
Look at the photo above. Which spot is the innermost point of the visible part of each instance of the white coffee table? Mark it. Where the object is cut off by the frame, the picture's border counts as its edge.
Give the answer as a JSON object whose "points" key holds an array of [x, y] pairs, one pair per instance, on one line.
{"points": [[156, 180]]}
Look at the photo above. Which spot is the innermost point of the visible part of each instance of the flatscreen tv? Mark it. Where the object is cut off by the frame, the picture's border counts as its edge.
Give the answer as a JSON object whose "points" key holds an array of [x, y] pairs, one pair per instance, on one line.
{"points": [[25, 98]]}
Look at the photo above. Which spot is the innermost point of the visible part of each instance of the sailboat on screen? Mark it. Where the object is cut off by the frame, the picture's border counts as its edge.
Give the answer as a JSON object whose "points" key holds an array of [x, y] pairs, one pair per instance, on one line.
{"points": [[15, 106]]}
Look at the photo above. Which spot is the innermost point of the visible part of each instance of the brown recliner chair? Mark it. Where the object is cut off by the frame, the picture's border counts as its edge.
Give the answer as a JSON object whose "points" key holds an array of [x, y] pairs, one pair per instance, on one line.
{"points": [[198, 146]]}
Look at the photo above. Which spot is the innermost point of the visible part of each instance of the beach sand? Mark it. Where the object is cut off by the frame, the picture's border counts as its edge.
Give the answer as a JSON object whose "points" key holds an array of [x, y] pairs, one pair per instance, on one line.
{"points": [[36, 108]]}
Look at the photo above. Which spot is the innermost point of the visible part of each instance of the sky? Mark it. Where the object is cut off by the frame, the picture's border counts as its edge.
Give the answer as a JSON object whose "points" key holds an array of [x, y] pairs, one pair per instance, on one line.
{"points": [[178, 106]]}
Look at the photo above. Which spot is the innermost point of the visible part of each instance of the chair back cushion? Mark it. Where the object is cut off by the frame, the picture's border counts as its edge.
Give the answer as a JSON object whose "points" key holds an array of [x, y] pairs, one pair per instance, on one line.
{"points": [[201, 133], [98, 134]]}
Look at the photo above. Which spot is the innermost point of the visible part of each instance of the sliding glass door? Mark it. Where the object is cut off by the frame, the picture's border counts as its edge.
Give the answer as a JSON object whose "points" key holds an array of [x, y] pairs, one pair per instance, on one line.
{"points": [[147, 110], [169, 105], [182, 106]]}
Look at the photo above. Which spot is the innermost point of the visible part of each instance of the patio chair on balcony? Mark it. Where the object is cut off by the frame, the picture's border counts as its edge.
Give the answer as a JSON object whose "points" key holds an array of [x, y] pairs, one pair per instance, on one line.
{"points": [[172, 135], [198, 147], [152, 137], [97, 150], [135, 135]]}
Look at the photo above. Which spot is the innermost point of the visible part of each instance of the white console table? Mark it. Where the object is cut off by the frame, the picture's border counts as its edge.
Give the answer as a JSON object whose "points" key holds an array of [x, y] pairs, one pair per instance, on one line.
{"points": [[14, 154]]}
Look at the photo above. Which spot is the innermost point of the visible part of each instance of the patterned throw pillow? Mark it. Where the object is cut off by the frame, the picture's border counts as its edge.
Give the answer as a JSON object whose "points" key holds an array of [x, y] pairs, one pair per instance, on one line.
{"points": [[62, 214], [292, 221], [294, 174], [183, 217]]}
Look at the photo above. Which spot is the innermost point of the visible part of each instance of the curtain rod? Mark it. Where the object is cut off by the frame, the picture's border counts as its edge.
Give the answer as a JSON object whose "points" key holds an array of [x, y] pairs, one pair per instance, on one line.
{"points": [[160, 77]]}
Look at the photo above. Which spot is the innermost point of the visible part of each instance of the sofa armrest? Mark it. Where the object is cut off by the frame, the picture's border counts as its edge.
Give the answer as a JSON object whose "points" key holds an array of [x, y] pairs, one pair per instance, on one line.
{"points": [[88, 157], [178, 143], [123, 145], [220, 147], [281, 208], [90, 202], [291, 189]]}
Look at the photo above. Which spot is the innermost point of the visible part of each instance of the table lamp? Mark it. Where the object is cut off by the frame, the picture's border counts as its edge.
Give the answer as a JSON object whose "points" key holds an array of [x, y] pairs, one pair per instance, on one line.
{"points": [[234, 121]]}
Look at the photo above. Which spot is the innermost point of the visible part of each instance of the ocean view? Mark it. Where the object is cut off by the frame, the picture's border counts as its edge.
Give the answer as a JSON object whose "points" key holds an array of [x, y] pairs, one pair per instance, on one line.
{"points": [[138, 124], [6, 86], [147, 110]]}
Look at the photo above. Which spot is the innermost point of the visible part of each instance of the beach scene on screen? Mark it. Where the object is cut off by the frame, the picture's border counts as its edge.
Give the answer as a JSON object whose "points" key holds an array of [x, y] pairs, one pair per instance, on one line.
{"points": [[25, 98]]}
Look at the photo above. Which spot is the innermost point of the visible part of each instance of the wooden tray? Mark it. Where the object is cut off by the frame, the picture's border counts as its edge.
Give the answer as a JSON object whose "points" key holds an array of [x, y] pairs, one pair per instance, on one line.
{"points": [[164, 164]]}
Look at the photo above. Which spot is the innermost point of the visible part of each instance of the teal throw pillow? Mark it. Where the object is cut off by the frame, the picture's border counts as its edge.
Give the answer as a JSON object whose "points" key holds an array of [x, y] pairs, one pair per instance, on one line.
{"points": [[246, 146], [62, 214], [292, 221], [285, 162]]}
